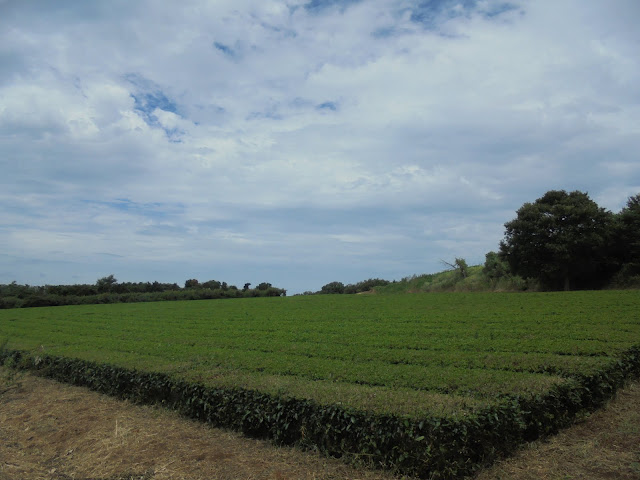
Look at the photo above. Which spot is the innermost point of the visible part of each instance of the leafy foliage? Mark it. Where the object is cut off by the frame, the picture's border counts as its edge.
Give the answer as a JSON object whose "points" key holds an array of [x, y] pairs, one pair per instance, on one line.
{"points": [[108, 290], [494, 267], [460, 266], [106, 283], [561, 239], [628, 239], [360, 287], [333, 287]]}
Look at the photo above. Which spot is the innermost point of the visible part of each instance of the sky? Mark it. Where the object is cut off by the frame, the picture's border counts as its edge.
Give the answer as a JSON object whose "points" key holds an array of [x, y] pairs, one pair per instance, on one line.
{"points": [[300, 142]]}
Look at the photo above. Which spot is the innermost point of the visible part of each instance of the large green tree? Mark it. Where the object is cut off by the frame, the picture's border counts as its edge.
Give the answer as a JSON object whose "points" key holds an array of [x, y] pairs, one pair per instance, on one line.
{"points": [[628, 237], [562, 239]]}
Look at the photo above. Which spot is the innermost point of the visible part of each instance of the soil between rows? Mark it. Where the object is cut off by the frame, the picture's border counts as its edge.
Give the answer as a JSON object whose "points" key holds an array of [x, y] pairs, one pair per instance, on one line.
{"points": [[58, 432]]}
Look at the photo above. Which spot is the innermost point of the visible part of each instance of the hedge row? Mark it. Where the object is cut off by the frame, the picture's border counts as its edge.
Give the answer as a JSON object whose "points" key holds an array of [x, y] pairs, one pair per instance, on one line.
{"points": [[52, 300], [434, 447]]}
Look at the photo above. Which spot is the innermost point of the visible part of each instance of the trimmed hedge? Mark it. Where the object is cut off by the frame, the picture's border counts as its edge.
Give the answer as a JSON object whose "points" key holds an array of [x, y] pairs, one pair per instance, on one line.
{"points": [[434, 447]]}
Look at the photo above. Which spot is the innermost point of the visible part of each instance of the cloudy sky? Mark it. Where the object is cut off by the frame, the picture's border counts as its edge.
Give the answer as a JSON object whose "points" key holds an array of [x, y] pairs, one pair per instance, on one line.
{"points": [[300, 142]]}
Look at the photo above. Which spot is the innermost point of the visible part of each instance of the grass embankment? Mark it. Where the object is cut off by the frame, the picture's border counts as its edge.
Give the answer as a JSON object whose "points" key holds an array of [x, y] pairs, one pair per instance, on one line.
{"points": [[474, 280], [416, 372]]}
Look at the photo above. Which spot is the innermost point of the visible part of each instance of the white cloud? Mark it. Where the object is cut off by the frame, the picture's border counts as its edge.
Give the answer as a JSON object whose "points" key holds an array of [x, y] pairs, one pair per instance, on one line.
{"points": [[213, 120]]}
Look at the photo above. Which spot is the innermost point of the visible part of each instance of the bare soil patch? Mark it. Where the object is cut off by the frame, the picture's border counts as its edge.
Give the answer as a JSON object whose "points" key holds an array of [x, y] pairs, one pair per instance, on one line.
{"points": [[58, 432]]}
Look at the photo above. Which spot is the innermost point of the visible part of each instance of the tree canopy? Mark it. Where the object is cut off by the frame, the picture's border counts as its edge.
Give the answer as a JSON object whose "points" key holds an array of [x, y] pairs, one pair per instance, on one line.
{"points": [[562, 240], [333, 287], [628, 237]]}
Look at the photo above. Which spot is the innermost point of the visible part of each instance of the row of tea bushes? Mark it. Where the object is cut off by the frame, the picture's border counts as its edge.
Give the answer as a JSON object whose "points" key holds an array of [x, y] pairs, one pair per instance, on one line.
{"points": [[434, 447]]}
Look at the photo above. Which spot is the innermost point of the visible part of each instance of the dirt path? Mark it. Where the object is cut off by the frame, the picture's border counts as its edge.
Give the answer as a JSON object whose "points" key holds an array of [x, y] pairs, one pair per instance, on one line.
{"points": [[604, 446], [58, 432]]}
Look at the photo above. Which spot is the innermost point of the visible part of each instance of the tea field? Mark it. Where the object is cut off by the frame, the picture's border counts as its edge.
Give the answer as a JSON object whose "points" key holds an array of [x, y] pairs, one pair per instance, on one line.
{"points": [[449, 356]]}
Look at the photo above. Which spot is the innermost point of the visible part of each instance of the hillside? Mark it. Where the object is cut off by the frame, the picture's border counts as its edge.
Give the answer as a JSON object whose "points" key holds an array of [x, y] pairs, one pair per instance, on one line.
{"points": [[453, 281]]}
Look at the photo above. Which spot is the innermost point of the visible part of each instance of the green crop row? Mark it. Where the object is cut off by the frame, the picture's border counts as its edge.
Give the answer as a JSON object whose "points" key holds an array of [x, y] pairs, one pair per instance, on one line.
{"points": [[474, 346], [431, 447], [426, 384]]}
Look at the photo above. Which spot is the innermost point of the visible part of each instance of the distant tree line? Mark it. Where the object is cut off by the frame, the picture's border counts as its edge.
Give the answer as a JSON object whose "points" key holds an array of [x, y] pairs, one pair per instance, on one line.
{"points": [[352, 288], [108, 290], [562, 241]]}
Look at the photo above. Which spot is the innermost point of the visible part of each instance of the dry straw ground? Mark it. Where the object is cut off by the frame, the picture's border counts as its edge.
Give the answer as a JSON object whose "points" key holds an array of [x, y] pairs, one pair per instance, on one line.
{"points": [[58, 432]]}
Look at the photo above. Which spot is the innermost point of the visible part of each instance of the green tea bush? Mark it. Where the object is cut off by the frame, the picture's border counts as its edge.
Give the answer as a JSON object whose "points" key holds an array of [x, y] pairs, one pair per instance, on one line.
{"points": [[432, 447]]}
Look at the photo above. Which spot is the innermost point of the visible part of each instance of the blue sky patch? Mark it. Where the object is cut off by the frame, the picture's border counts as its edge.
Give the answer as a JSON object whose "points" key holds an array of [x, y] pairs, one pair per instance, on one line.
{"points": [[321, 5], [150, 97], [500, 9], [330, 106], [146, 103], [226, 49], [431, 12]]}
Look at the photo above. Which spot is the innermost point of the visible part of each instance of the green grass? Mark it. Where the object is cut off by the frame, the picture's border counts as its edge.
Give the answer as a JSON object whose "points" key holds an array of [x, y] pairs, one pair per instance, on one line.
{"points": [[452, 281], [419, 354]]}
